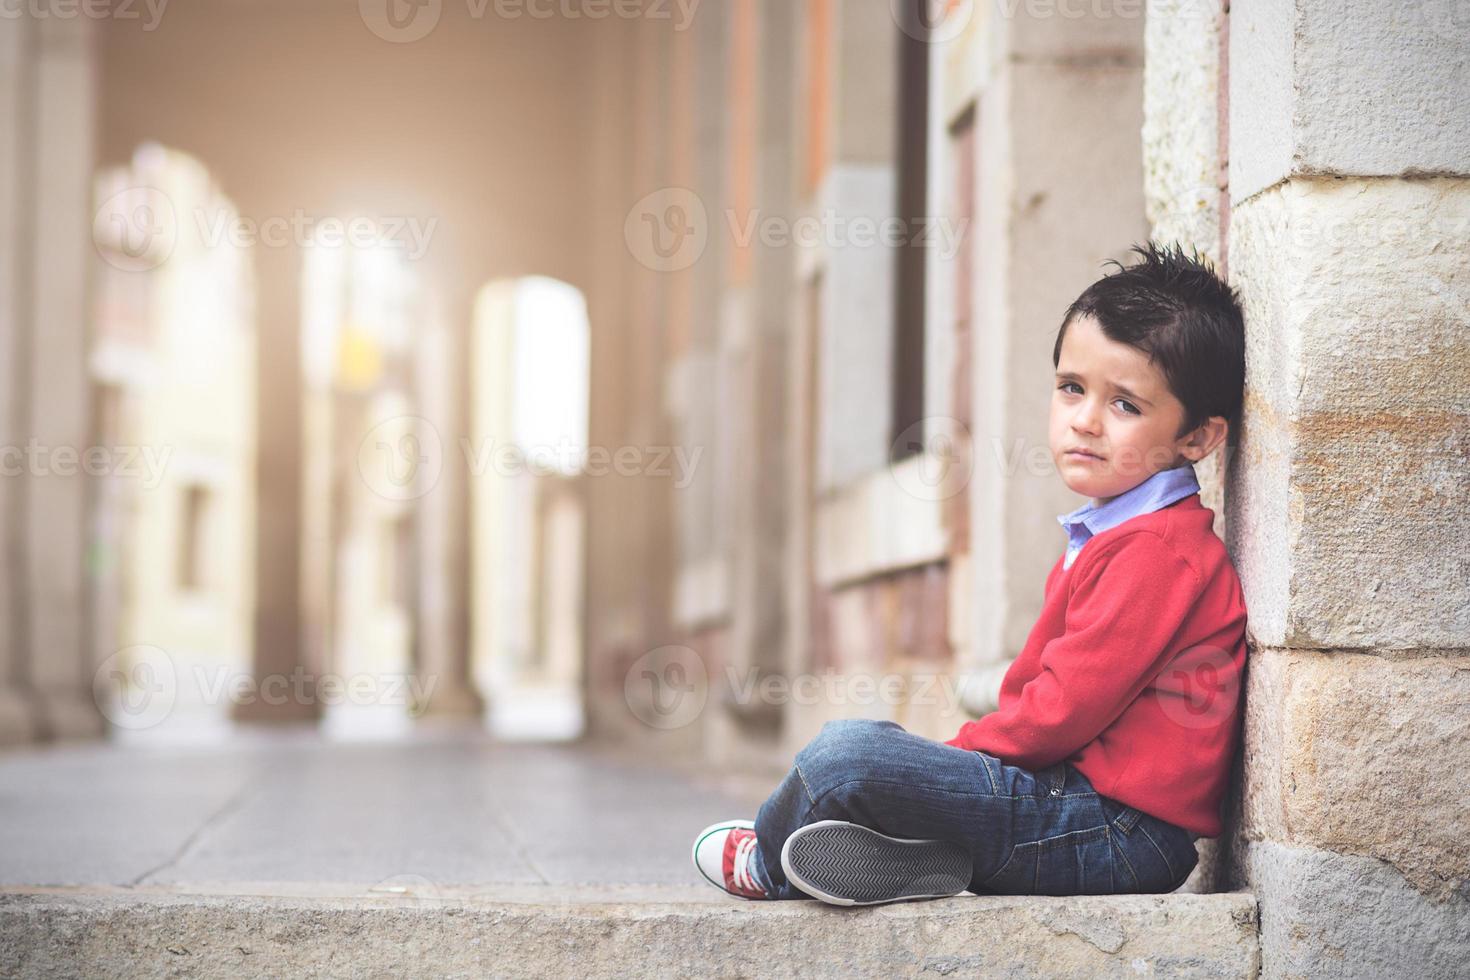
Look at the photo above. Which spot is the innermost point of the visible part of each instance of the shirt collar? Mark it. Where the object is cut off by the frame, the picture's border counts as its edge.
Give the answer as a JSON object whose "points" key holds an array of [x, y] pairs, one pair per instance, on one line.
{"points": [[1160, 490]]}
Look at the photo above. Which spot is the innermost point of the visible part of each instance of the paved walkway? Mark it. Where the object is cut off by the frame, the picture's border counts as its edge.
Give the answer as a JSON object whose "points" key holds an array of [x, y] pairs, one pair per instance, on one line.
{"points": [[289, 855], [298, 814]]}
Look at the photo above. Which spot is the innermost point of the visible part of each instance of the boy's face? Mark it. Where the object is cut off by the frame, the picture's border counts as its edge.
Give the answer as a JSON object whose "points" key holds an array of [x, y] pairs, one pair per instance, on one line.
{"points": [[1113, 418]]}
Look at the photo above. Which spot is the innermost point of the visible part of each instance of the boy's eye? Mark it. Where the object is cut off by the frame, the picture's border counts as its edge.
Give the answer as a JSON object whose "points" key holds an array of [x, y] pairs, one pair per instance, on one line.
{"points": [[1069, 384], [1128, 406]]}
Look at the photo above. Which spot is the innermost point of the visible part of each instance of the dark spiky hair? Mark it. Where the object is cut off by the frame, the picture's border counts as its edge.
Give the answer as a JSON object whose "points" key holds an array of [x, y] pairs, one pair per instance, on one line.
{"points": [[1175, 309]]}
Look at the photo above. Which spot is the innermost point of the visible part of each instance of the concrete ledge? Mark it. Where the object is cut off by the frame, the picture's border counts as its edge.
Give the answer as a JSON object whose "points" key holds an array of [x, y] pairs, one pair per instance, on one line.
{"points": [[614, 931]]}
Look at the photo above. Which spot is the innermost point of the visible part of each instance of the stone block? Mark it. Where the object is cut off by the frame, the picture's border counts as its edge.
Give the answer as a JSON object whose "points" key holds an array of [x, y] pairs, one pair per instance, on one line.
{"points": [[1355, 754], [1345, 508], [1346, 88], [1351, 918]]}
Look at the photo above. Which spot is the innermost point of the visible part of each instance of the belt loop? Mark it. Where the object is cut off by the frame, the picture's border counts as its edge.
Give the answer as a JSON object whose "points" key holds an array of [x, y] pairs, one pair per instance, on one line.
{"points": [[1128, 818]]}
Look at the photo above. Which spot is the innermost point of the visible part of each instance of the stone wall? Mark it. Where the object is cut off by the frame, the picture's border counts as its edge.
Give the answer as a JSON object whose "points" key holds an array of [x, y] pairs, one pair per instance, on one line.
{"points": [[1347, 235]]}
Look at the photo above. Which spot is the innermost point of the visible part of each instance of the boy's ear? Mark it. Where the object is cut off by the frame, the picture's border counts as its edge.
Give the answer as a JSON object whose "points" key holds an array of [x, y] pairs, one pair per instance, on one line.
{"points": [[1204, 440]]}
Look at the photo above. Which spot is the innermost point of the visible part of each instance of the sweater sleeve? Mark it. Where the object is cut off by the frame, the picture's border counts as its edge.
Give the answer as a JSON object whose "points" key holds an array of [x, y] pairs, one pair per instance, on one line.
{"points": [[1124, 611]]}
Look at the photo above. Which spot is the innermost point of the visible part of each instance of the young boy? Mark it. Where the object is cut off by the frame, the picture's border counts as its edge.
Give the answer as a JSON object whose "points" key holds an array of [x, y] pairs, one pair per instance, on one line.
{"points": [[1109, 753]]}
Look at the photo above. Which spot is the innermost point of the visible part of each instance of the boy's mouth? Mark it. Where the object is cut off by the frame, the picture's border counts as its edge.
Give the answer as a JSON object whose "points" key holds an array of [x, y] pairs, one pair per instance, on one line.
{"points": [[1081, 454]]}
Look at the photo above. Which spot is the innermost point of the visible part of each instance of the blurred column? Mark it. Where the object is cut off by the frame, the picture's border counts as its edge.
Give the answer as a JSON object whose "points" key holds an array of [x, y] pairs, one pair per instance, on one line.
{"points": [[442, 383], [619, 139], [840, 377], [17, 119], [1057, 179], [279, 648], [698, 111], [759, 278], [646, 499], [57, 414]]}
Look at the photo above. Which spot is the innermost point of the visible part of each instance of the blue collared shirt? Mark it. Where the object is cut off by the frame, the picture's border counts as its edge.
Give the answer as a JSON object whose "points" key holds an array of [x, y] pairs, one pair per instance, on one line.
{"points": [[1159, 490]]}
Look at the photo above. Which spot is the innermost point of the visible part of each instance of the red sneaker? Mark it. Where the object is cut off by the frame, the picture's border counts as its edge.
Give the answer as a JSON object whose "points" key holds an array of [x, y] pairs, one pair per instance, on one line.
{"points": [[724, 854]]}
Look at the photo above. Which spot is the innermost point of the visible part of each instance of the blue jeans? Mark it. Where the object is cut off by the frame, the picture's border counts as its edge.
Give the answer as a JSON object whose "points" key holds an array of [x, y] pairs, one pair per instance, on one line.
{"points": [[1043, 833]]}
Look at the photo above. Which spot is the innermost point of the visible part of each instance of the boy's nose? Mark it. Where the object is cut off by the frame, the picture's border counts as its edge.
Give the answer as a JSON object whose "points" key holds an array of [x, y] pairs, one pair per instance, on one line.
{"points": [[1086, 418]]}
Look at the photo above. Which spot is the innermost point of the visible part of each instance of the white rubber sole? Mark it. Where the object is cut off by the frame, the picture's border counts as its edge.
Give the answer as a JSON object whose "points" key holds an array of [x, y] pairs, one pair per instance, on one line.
{"points": [[843, 863], [704, 835]]}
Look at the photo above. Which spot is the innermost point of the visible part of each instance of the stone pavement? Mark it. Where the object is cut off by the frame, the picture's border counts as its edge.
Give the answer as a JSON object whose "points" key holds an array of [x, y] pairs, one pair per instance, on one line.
{"points": [[451, 855], [294, 809]]}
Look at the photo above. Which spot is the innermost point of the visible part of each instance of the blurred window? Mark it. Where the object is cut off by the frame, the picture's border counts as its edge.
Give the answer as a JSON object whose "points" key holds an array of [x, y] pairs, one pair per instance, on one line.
{"points": [[193, 535], [912, 207]]}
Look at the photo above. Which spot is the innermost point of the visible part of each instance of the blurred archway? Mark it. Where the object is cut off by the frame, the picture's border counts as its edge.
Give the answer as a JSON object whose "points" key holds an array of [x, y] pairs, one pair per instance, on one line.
{"points": [[530, 459]]}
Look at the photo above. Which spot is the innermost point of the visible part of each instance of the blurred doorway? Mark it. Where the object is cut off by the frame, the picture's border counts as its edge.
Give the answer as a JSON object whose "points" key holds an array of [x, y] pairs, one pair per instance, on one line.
{"points": [[362, 305], [528, 458], [172, 364]]}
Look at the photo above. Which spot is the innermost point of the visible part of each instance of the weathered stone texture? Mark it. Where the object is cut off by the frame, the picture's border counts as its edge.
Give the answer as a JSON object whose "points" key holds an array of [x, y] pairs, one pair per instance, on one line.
{"points": [[1181, 138], [1182, 172], [1354, 754], [1346, 529], [1351, 918], [1179, 936], [1346, 87]]}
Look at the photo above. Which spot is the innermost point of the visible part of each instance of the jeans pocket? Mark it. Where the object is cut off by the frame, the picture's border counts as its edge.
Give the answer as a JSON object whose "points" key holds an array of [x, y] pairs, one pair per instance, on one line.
{"points": [[1160, 855], [1079, 863], [1184, 856], [1076, 863]]}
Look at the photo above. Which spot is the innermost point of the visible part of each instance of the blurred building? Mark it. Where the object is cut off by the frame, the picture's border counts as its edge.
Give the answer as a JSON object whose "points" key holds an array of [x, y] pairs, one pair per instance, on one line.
{"points": [[174, 385], [859, 339]]}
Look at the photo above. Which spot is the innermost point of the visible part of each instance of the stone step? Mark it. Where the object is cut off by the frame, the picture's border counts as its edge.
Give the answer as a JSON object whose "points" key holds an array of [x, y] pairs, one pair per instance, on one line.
{"points": [[646, 931]]}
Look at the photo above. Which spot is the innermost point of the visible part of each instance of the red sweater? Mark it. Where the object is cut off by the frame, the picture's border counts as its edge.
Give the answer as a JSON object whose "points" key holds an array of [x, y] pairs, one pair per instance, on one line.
{"points": [[1133, 671]]}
